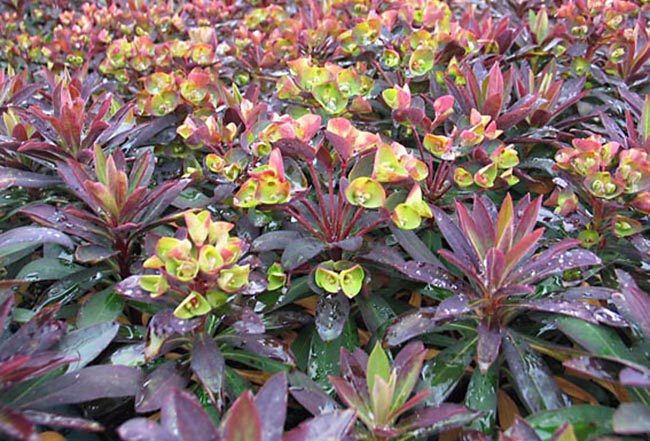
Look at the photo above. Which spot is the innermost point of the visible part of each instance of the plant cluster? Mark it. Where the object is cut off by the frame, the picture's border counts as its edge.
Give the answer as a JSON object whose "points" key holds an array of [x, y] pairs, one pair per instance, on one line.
{"points": [[335, 220]]}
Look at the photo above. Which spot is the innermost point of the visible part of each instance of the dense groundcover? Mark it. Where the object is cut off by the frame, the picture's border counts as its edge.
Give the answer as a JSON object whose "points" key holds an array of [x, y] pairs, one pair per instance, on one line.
{"points": [[324, 220]]}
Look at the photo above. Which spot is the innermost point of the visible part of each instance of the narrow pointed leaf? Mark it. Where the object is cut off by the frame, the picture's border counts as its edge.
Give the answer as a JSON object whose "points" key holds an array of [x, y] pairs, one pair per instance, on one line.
{"points": [[207, 362]]}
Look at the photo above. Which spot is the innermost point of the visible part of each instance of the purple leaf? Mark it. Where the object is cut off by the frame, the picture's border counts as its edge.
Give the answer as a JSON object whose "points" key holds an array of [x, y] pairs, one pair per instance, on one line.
{"points": [[310, 395], [129, 288], [274, 240], [489, 342], [184, 418], [635, 377], [10, 177], [295, 148], [248, 323], [271, 403], [533, 379], [577, 309], [56, 420], [6, 303], [353, 371], [556, 259], [207, 362], [34, 236], [300, 251], [632, 302], [410, 325], [84, 345], [157, 385], [66, 222], [242, 423], [39, 334], [264, 346], [432, 420], [143, 429], [453, 306], [332, 426], [86, 384], [93, 254], [632, 419], [161, 327], [455, 238], [432, 274]]}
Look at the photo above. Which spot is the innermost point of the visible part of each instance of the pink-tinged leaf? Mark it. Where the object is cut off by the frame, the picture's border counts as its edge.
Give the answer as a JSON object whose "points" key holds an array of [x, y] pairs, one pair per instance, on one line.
{"points": [[517, 112], [463, 266], [632, 419], [157, 385], [489, 343], [243, 421], [207, 362], [455, 238], [330, 426], [417, 399], [505, 225], [349, 396], [522, 249], [34, 236], [159, 200], [184, 418], [271, 403], [635, 377], [633, 303], [433, 420], [494, 93], [495, 267], [141, 171], [526, 216], [408, 364], [87, 384], [143, 429], [41, 333], [21, 368], [414, 246], [479, 238], [481, 216], [14, 424], [520, 431], [6, 303], [296, 148]]}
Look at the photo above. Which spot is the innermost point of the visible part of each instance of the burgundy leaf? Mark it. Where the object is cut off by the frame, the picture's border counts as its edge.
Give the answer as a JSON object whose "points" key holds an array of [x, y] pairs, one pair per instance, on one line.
{"points": [[432, 420], [517, 112], [6, 303], [86, 384], [300, 251], [263, 345], [184, 417], [582, 310], [207, 362], [455, 238], [67, 222], [39, 334], [433, 275], [242, 423], [494, 92], [21, 368], [157, 385], [143, 429], [632, 302], [353, 371], [296, 149], [248, 323], [333, 425], [410, 325], [453, 306], [271, 403], [489, 343]]}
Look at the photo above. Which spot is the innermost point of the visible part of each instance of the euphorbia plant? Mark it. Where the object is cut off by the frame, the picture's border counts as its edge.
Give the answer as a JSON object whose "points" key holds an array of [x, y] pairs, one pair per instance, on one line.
{"points": [[381, 395], [119, 207]]}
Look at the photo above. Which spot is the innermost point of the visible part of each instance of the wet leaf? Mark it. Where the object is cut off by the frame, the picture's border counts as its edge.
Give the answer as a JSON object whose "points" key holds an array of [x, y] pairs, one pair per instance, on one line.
{"points": [[441, 374], [207, 362], [532, 377], [271, 404], [84, 345], [587, 421], [243, 421], [333, 425], [157, 386], [482, 396], [184, 418], [632, 419], [104, 306], [332, 311], [300, 251]]}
